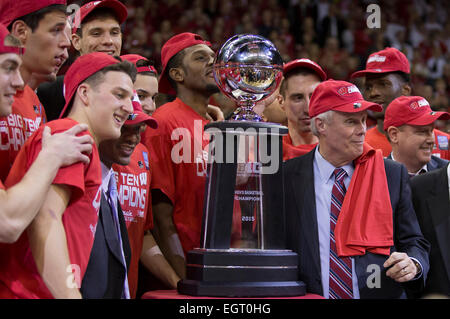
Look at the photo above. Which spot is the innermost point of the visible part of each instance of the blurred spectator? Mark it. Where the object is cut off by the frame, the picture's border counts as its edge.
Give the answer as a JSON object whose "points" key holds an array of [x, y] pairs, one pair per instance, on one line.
{"points": [[417, 32], [332, 59], [166, 30], [436, 63], [244, 26], [286, 37], [440, 100], [401, 44], [419, 69], [446, 76], [137, 42], [426, 91], [348, 36], [266, 25], [332, 25]]}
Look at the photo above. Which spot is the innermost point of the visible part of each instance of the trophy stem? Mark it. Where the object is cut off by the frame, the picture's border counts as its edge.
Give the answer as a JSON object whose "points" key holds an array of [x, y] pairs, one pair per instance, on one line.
{"points": [[245, 112]]}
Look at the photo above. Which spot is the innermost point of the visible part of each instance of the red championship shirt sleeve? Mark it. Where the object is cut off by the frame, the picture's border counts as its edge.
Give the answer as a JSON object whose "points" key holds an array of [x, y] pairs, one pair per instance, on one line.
{"points": [[26, 117], [149, 219], [72, 176], [18, 271]]}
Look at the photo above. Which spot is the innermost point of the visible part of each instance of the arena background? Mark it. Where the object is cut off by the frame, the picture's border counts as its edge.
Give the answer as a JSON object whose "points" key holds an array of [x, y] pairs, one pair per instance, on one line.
{"points": [[339, 35]]}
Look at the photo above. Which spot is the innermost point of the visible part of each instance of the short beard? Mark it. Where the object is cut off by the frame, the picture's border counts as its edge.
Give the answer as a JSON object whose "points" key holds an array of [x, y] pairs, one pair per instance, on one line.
{"points": [[212, 89]]}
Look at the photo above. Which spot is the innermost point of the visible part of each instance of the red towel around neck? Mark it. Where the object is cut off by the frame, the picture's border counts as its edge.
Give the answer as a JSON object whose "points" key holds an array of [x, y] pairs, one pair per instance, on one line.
{"points": [[365, 222]]}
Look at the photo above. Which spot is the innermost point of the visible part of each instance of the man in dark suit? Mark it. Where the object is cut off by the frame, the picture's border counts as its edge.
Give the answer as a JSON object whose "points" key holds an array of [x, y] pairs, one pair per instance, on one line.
{"points": [[432, 205], [360, 243], [109, 264], [409, 124], [106, 271]]}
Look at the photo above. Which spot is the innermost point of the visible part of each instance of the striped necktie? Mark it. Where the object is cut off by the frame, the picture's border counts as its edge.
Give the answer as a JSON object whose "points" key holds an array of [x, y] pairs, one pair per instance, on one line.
{"points": [[113, 198], [341, 286]]}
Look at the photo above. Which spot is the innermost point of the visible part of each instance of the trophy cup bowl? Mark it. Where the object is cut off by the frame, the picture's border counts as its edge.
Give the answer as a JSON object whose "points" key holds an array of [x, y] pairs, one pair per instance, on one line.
{"points": [[248, 68]]}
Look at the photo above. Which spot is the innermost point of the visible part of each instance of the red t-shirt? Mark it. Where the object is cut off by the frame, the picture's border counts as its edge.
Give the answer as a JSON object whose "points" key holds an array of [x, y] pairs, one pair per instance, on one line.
{"points": [[18, 270], [379, 141], [133, 185], [26, 116], [181, 178], [291, 151]]}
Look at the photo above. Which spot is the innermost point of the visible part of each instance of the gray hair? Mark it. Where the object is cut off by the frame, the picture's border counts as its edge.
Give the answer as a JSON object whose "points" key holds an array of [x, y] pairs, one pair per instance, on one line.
{"points": [[326, 116]]}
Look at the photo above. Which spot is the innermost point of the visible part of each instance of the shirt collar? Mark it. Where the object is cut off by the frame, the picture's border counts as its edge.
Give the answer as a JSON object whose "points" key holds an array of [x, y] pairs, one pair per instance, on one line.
{"points": [[423, 168], [106, 173], [326, 169]]}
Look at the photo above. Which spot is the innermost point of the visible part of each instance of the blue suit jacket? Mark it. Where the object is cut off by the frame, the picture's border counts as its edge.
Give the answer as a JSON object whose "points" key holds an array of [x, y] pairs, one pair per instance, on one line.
{"points": [[436, 163], [303, 238]]}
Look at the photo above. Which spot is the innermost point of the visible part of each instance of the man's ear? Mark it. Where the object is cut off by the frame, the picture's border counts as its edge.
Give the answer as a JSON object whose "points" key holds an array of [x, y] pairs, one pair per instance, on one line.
{"points": [[176, 74], [321, 125], [21, 31], [76, 41], [392, 134], [280, 99], [83, 93], [406, 90]]}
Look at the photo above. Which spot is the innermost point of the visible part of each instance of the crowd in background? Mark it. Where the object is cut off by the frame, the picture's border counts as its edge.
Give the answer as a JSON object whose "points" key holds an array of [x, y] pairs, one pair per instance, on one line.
{"points": [[333, 33]]}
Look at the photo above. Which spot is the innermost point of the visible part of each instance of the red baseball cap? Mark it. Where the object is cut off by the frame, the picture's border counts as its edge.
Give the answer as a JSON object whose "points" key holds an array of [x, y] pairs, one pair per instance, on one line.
{"points": [[305, 63], [13, 9], [174, 45], [134, 58], [384, 61], [83, 67], [339, 96], [138, 115], [412, 110], [118, 7], [5, 48]]}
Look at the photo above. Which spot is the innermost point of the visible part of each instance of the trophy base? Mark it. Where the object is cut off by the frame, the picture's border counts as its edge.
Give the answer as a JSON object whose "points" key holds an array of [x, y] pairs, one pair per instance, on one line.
{"points": [[242, 289], [241, 273]]}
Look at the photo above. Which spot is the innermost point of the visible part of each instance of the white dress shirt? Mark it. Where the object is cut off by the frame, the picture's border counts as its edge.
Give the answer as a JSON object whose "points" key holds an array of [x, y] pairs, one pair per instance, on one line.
{"points": [[423, 168], [323, 186]]}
